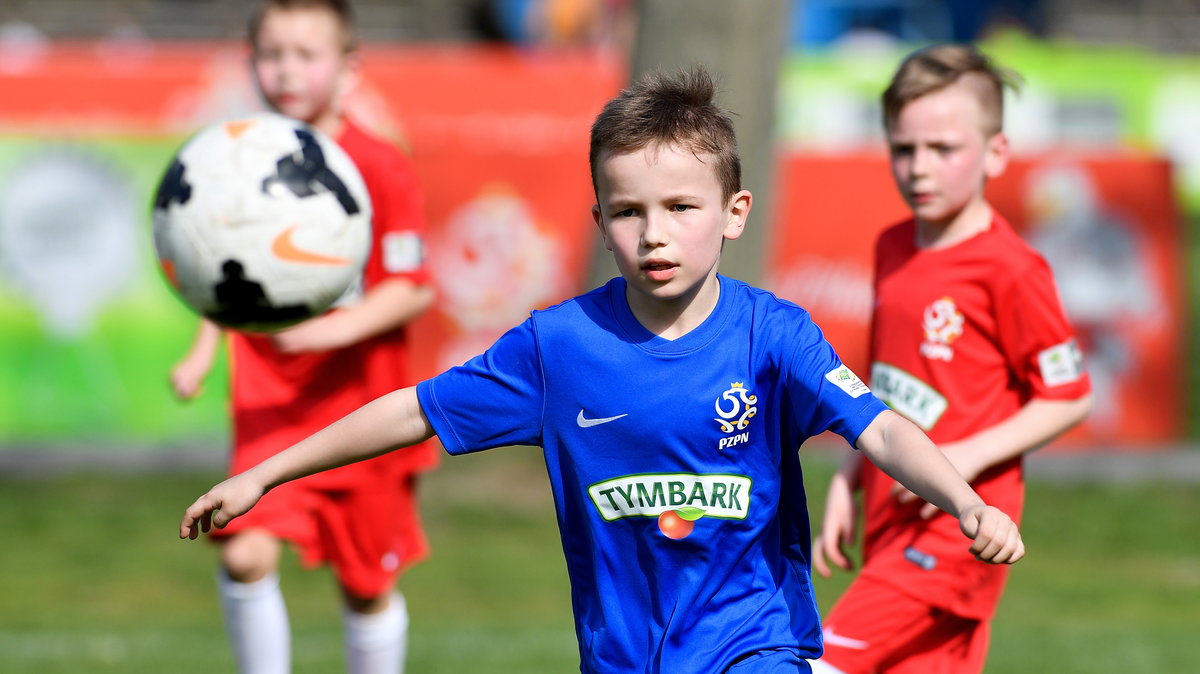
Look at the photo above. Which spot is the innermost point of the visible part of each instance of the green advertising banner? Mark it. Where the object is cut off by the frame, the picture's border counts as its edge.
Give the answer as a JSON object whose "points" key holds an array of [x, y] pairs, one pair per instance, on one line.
{"points": [[88, 329], [1073, 97]]}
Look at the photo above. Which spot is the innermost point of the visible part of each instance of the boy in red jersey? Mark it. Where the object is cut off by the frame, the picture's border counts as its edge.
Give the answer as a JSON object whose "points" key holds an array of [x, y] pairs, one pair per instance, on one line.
{"points": [[361, 519], [969, 341]]}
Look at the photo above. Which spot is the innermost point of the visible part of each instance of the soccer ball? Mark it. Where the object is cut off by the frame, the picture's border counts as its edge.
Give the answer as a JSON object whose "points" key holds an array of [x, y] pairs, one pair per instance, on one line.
{"points": [[262, 222]]}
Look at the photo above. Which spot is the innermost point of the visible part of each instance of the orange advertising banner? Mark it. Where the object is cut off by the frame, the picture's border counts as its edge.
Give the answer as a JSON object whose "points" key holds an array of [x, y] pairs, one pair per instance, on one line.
{"points": [[88, 328], [501, 152], [499, 137], [1109, 226]]}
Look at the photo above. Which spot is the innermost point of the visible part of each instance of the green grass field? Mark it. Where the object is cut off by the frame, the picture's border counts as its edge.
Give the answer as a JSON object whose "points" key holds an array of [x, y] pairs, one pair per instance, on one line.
{"points": [[92, 578]]}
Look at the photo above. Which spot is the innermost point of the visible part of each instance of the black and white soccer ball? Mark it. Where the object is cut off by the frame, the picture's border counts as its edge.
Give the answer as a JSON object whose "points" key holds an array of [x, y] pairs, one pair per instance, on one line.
{"points": [[262, 222]]}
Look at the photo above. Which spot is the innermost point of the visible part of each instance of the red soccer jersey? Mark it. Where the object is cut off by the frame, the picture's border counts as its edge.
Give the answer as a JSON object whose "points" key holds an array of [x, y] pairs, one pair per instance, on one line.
{"points": [[961, 338], [279, 399]]}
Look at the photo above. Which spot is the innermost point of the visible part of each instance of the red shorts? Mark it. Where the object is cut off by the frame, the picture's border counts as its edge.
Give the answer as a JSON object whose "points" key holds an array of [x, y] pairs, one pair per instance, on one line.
{"points": [[875, 627], [368, 534]]}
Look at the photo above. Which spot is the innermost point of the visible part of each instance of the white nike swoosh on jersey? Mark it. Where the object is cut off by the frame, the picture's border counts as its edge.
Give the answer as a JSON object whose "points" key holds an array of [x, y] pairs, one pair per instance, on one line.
{"points": [[844, 642], [584, 422]]}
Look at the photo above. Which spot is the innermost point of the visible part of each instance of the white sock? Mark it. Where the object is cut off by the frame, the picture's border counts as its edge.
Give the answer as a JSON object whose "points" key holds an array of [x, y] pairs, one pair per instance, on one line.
{"points": [[377, 643], [257, 623]]}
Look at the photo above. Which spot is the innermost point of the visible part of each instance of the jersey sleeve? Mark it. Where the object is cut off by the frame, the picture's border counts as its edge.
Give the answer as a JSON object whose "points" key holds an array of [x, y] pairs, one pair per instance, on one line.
{"points": [[1038, 341], [495, 399], [399, 221], [825, 395]]}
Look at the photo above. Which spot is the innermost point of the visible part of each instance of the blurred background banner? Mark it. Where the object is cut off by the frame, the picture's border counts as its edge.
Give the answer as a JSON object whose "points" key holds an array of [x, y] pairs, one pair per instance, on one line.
{"points": [[1074, 97], [502, 155], [88, 329], [1107, 170], [1107, 223]]}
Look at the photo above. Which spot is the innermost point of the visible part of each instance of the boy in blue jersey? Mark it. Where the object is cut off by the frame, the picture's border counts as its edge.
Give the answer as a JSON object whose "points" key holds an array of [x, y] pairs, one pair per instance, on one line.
{"points": [[670, 404]]}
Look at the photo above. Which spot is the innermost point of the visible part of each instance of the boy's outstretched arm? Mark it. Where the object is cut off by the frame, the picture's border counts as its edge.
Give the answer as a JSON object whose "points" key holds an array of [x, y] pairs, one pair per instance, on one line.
{"points": [[1037, 422], [390, 422], [385, 306], [902, 451]]}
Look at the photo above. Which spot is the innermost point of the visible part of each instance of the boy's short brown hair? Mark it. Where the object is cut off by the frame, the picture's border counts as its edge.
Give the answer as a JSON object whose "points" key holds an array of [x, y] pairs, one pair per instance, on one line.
{"points": [[932, 68], [341, 9], [678, 110]]}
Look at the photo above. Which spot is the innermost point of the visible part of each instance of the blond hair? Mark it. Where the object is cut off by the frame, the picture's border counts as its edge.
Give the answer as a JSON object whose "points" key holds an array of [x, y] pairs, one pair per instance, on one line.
{"points": [[936, 67]]}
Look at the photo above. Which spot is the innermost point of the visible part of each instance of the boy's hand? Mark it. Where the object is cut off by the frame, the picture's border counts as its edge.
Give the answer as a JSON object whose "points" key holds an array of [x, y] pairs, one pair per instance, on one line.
{"points": [[995, 535], [187, 377], [837, 529], [221, 504]]}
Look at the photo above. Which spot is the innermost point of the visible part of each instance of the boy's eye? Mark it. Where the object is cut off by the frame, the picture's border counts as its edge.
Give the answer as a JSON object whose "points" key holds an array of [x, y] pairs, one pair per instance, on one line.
{"points": [[902, 150], [627, 213], [680, 208]]}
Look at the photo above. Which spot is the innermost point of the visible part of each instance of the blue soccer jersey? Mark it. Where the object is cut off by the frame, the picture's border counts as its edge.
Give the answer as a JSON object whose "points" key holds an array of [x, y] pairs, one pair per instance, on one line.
{"points": [[674, 468]]}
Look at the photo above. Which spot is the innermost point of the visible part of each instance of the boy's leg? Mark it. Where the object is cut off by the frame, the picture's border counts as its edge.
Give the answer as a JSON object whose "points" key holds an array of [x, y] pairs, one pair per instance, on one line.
{"points": [[370, 534], [377, 642], [255, 614], [956, 646], [874, 627]]}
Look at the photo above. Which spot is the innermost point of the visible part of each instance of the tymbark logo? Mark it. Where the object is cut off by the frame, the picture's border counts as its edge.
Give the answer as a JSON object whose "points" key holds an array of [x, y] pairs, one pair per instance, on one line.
{"points": [[908, 395], [285, 249], [650, 495]]}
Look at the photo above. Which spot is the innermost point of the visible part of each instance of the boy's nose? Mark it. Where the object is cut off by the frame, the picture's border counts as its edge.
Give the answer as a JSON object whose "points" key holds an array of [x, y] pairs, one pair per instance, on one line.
{"points": [[920, 161], [289, 64], [653, 233]]}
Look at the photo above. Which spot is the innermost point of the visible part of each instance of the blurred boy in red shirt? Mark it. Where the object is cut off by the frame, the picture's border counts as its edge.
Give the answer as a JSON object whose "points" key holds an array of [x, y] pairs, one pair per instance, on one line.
{"points": [[361, 519], [970, 342]]}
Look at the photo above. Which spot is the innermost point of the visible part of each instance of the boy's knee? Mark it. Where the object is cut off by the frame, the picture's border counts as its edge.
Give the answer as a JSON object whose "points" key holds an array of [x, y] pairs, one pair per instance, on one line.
{"points": [[371, 604], [250, 556]]}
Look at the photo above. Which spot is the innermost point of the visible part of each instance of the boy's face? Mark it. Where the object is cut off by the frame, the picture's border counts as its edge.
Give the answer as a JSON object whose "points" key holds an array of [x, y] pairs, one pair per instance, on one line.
{"points": [[662, 214], [300, 64], [941, 156]]}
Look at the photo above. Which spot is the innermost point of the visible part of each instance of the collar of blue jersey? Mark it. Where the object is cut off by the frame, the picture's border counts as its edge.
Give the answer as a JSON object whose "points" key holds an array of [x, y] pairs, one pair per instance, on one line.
{"points": [[698, 338]]}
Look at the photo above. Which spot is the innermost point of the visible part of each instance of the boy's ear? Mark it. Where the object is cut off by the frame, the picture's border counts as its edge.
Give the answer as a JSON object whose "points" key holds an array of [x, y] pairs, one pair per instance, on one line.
{"points": [[351, 74], [739, 211], [996, 160], [598, 218]]}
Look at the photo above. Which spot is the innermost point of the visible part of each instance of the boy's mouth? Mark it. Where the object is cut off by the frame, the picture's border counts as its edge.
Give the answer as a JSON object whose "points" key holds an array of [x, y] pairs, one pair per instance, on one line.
{"points": [[659, 270]]}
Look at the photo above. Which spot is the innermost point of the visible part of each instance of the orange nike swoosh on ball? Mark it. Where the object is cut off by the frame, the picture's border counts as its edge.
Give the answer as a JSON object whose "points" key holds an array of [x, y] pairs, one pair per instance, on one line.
{"points": [[285, 250]]}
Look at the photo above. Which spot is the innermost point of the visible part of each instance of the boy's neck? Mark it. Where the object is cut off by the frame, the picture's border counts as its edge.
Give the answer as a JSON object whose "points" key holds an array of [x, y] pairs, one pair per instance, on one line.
{"points": [[976, 217], [676, 317], [330, 124]]}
